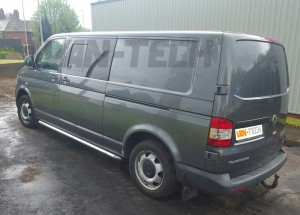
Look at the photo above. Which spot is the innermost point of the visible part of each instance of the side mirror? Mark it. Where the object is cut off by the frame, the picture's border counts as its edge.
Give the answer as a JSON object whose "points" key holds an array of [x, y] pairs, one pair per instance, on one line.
{"points": [[29, 61]]}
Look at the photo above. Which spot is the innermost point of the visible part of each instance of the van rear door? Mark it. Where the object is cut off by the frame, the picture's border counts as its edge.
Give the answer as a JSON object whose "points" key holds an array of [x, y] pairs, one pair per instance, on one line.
{"points": [[254, 70]]}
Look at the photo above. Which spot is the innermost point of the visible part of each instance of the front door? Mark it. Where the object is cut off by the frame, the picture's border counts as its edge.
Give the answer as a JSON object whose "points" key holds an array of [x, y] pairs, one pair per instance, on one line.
{"points": [[44, 86]]}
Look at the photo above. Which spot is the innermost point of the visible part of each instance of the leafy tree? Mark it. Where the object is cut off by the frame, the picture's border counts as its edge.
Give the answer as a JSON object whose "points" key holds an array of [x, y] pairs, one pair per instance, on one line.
{"points": [[47, 30], [83, 29], [61, 17]]}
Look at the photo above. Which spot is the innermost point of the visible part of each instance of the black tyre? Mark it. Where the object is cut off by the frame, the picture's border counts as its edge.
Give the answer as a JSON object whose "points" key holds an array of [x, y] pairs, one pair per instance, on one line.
{"points": [[26, 112], [152, 169]]}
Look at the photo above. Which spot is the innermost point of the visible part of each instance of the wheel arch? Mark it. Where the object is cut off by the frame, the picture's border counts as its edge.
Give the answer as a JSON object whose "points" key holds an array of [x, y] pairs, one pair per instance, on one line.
{"points": [[139, 133], [21, 92]]}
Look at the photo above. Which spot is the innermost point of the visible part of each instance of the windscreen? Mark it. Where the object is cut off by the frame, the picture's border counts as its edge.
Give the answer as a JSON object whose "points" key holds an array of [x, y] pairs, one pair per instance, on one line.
{"points": [[259, 69]]}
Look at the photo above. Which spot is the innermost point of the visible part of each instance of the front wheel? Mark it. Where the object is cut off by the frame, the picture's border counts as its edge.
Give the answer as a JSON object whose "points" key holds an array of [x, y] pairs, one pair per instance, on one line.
{"points": [[25, 112], [152, 169]]}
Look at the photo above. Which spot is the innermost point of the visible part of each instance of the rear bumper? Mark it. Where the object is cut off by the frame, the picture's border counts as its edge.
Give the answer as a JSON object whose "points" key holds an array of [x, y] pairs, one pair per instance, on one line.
{"points": [[222, 183]]}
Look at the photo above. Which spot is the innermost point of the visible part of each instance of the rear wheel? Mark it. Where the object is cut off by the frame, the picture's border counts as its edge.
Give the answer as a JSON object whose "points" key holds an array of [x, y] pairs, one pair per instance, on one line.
{"points": [[152, 169], [25, 112]]}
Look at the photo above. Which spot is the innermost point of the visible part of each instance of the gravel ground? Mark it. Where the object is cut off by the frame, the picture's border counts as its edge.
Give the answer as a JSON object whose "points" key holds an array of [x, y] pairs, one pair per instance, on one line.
{"points": [[7, 88], [292, 136], [42, 172]]}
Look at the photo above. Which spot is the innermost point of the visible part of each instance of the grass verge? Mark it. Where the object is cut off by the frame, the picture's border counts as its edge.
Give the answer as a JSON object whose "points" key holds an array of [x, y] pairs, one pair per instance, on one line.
{"points": [[11, 61], [293, 121]]}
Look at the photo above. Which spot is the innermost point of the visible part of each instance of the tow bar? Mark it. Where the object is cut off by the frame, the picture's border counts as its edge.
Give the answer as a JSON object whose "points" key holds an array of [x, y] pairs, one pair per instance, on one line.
{"points": [[273, 185]]}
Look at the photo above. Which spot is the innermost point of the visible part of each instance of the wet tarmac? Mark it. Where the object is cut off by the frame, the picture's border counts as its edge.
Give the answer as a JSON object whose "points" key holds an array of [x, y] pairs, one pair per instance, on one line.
{"points": [[42, 172]]}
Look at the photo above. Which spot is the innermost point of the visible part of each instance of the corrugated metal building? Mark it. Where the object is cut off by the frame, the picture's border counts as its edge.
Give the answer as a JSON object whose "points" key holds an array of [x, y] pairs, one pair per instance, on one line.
{"points": [[279, 19]]}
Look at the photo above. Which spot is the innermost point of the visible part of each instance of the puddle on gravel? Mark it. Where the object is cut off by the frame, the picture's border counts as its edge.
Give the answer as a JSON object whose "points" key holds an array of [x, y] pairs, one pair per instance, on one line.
{"points": [[7, 113], [12, 140], [24, 173], [29, 174]]}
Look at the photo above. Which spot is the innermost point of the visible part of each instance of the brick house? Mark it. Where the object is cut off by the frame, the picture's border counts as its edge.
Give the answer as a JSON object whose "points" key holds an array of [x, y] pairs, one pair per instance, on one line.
{"points": [[12, 27]]}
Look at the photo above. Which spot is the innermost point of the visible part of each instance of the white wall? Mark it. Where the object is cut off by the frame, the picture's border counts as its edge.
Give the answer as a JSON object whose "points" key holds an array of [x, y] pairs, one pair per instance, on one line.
{"points": [[279, 19]]}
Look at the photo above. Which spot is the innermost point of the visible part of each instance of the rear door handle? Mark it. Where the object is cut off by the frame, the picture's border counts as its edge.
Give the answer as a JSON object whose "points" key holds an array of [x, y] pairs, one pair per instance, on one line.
{"points": [[66, 80]]}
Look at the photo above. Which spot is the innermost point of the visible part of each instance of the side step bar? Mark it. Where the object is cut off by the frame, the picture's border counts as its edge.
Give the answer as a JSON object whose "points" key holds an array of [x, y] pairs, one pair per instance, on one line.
{"points": [[81, 141]]}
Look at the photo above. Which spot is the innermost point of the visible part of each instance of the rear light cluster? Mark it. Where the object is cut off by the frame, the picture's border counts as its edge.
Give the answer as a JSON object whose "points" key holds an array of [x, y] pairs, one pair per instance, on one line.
{"points": [[220, 132]]}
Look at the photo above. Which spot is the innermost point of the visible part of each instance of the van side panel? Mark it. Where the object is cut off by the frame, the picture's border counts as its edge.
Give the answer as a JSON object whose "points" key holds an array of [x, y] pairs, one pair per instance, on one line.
{"points": [[183, 114], [188, 131]]}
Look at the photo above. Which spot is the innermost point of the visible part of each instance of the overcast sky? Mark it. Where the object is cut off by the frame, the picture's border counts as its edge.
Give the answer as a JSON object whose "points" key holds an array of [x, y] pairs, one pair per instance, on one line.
{"points": [[80, 6]]}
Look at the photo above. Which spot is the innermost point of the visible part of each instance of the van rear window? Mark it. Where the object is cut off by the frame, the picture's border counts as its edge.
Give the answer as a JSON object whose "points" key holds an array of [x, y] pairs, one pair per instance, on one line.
{"points": [[259, 69]]}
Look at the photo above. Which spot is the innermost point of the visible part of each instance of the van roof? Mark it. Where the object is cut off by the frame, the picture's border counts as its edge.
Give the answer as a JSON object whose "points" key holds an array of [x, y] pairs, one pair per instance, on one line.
{"points": [[139, 33], [167, 33]]}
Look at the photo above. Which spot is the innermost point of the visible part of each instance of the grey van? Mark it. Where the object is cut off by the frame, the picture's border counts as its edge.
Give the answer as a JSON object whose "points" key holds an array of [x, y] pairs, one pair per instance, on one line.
{"points": [[206, 110]]}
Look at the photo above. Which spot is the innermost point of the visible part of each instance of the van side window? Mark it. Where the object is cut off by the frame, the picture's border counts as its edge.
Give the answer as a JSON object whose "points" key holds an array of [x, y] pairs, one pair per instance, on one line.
{"points": [[155, 63], [90, 57], [50, 55]]}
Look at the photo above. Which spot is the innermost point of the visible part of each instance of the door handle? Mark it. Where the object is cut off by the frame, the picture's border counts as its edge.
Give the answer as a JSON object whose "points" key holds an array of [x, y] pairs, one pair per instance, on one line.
{"points": [[66, 80], [53, 78]]}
